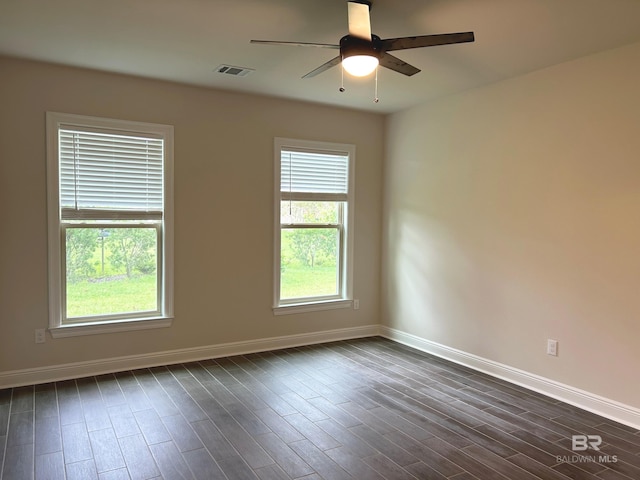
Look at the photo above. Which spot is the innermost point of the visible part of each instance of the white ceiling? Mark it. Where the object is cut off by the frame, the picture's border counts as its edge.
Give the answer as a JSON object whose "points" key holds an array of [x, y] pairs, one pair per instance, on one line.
{"points": [[184, 41]]}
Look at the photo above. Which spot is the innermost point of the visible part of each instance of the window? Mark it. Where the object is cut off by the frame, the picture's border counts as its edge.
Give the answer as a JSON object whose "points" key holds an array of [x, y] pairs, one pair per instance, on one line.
{"points": [[314, 218], [110, 224]]}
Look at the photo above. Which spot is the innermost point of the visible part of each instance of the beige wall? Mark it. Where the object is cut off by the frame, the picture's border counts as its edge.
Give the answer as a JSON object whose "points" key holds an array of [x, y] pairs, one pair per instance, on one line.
{"points": [[223, 209], [512, 215]]}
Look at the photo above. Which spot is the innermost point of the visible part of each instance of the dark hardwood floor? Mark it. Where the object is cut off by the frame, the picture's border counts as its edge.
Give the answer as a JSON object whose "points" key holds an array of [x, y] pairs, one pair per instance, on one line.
{"points": [[362, 409]]}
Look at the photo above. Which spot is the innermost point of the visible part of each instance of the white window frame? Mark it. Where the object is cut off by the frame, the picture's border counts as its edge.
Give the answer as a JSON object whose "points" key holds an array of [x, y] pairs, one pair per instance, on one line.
{"points": [[57, 228], [344, 298]]}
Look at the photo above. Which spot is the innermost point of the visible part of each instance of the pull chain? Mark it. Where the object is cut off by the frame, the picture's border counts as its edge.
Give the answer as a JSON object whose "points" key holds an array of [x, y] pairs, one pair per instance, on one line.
{"points": [[342, 89], [376, 99]]}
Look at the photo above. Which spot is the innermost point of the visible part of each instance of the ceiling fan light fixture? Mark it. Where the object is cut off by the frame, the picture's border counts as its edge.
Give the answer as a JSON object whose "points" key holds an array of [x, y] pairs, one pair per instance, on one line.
{"points": [[360, 65], [360, 57], [361, 51]]}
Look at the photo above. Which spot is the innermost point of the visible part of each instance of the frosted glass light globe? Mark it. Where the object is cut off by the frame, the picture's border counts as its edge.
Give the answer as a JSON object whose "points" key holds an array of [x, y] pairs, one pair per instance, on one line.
{"points": [[360, 65]]}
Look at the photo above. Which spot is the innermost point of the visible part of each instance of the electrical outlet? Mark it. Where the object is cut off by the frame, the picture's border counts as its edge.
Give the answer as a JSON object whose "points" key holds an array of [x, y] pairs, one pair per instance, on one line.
{"points": [[356, 304], [552, 347], [40, 335]]}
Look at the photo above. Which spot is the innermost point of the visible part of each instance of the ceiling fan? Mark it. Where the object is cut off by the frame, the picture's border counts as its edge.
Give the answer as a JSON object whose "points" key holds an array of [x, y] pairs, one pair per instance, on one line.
{"points": [[361, 51]]}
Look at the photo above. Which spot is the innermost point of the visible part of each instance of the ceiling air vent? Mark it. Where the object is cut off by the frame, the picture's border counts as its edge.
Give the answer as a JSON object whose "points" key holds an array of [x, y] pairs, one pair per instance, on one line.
{"points": [[234, 71]]}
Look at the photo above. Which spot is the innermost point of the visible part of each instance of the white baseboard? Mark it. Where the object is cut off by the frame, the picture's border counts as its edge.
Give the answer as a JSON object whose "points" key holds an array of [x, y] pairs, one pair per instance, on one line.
{"points": [[67, 371], [605, 407]]}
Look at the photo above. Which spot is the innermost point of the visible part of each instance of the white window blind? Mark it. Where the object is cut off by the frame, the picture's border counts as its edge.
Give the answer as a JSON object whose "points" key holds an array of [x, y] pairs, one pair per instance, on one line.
{"points": [[105, 174], [317, 175]]}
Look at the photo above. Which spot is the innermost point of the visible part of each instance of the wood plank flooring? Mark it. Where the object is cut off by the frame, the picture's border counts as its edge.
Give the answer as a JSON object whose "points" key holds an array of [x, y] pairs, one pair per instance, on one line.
{"points": [[361, 409]]}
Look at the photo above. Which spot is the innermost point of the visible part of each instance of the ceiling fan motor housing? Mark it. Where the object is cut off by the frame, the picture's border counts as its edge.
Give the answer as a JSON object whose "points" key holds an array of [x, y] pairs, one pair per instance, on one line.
{"points": [[350, 46]]}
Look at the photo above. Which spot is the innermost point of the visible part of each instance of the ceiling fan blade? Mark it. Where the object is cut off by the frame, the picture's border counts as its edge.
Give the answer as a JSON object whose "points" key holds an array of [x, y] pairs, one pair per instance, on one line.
{"points": [[325, 66], [295, 44], [359, 22], [400, 66], [404, 43]]}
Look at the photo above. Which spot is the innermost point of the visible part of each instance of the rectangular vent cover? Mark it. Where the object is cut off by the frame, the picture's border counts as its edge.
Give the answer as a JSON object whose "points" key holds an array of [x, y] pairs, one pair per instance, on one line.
{"points": [[234, 71]]}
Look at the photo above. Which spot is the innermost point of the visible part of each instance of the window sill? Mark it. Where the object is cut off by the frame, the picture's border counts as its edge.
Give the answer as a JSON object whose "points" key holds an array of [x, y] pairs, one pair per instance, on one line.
{"points": [[311, 307], [97, 328]]}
